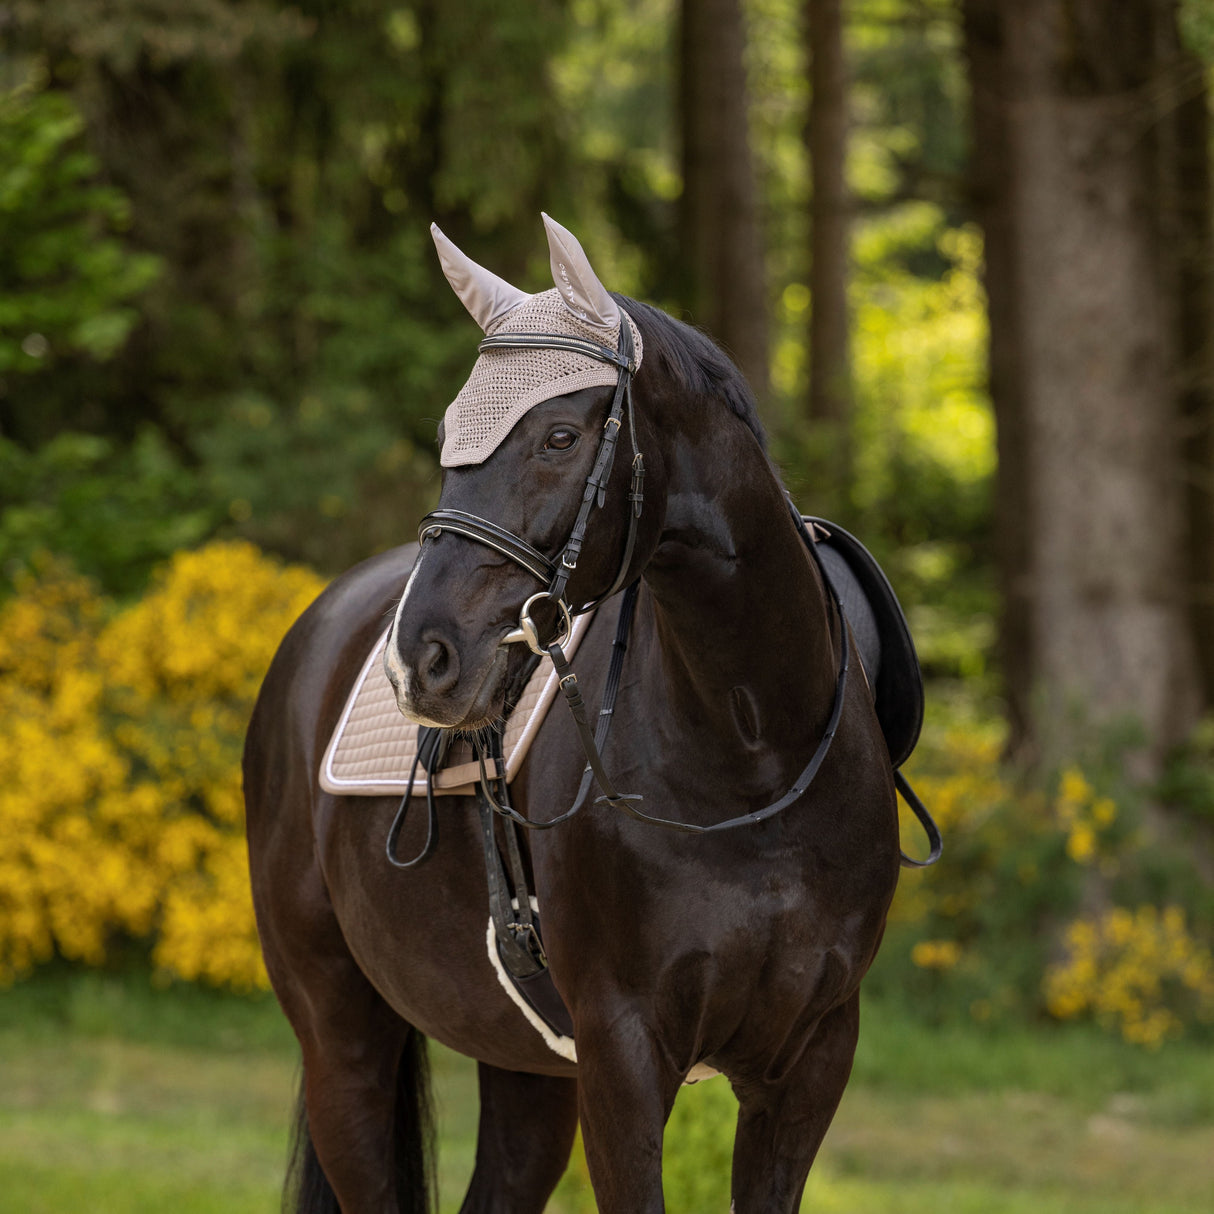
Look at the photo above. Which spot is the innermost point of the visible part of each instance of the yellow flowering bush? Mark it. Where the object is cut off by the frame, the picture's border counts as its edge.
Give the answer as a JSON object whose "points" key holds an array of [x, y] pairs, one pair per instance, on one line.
{"points": [[120, 738], [1086, 818], [64, 880], [996, 927], [1138, 971]]}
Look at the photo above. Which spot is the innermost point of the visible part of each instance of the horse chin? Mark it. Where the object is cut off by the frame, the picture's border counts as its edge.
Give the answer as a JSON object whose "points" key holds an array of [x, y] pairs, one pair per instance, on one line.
{"points": [[460, 708]]}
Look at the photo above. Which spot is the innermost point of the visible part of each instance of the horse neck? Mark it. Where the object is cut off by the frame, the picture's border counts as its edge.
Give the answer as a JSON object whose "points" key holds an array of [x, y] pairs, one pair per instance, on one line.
{"points": [[745, 630]]}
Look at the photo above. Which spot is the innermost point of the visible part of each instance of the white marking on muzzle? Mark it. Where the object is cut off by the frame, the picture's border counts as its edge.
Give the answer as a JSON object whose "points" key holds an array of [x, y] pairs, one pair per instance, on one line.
{"points": [[399, 675]]}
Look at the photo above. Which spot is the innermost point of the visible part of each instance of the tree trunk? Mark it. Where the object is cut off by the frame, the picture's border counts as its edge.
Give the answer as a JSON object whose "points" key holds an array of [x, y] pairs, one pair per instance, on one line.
{"points": [[991, 185], [1188, 233], [1083, 371], [719, 210], [830, 387]]}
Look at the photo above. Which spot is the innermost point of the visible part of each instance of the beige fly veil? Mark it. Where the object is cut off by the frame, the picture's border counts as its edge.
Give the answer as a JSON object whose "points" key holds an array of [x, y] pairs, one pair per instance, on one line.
{"points": [[505, 383]]}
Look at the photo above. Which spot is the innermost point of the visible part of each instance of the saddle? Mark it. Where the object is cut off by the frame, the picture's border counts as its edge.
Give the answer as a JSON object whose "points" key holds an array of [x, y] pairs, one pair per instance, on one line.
{"points": [[880, 631]]}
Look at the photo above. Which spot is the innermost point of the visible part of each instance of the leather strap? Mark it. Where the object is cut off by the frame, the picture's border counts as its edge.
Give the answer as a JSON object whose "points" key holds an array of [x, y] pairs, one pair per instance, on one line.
{"points": [[559, 341], [619, 647], [624, 802], [516, 927], [471, 526], [934, 840], [432, 746], [595, 493]]}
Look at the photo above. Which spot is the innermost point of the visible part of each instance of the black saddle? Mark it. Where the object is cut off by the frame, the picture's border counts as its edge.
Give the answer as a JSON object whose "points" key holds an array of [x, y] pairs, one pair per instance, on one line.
{"points": [[880, 630]]}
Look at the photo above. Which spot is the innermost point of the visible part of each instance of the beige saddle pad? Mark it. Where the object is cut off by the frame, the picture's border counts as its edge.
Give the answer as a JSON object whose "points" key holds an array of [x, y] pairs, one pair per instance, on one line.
{"points": [[373, 747]]}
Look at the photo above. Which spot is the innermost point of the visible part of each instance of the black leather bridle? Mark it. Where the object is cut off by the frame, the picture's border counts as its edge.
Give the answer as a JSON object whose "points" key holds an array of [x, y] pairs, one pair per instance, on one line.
{"points": [[556, 573]]}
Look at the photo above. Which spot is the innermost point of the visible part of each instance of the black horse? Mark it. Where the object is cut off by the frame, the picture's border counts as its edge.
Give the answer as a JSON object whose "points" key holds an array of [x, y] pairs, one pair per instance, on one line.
{"points": [[742, 949]]}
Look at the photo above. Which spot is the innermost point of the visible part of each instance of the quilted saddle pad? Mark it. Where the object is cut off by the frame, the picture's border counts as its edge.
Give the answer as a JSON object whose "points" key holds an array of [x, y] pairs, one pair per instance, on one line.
{"points": [[373, 747]]}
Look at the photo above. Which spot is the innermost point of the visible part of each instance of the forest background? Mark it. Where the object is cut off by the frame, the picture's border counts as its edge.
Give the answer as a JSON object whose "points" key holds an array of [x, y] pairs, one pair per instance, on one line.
{"points": [[962, 250]]}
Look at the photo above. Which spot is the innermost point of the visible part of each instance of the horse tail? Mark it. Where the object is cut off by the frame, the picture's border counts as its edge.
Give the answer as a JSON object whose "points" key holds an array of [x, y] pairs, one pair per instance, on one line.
{"points": [[307, 1189], [414, 1129]]}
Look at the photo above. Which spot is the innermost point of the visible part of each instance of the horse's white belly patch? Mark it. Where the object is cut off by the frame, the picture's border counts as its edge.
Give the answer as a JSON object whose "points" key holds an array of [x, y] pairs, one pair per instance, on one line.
{"points": [[373, 747]]}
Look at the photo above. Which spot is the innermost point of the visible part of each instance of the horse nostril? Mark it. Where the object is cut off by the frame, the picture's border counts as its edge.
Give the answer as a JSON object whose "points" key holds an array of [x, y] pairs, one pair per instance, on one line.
{"points": [[439, 665]]}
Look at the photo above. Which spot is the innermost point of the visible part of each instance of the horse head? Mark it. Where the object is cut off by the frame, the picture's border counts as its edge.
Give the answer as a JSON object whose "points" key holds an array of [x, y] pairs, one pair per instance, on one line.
{"points": [[529, 458]]}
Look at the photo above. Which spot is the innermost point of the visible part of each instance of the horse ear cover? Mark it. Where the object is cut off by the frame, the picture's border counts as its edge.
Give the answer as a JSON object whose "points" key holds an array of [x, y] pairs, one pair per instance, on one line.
{"points": [[487, 297], [506, 383], [579, 286]]}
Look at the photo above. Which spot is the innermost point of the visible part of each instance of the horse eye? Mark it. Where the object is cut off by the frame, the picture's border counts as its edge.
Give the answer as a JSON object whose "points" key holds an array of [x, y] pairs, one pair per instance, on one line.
{"points": [[560, 440]]}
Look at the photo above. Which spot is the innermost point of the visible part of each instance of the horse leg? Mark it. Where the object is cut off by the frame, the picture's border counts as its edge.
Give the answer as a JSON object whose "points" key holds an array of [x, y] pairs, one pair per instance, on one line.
{"points": [[364, 1129], [626, 1089], [781, 1125], [365, 1107], [527, 1124]]}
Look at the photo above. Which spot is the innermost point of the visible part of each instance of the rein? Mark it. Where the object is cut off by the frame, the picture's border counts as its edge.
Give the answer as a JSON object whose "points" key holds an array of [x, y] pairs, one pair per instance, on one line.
{"points": [[556, 575]]}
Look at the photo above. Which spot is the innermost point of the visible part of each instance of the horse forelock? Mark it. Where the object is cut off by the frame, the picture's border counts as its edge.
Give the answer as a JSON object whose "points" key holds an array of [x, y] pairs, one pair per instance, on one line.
{"points": [[694, 363]]}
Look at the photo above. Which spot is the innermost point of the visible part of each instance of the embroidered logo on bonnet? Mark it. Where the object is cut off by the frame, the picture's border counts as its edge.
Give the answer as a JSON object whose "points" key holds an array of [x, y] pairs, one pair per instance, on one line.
{"points": [[505, 383]]}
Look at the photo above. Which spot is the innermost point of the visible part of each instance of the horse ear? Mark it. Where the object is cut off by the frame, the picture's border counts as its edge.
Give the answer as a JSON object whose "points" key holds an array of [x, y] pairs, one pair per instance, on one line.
{"points": [[576, 282], [487, 297]]}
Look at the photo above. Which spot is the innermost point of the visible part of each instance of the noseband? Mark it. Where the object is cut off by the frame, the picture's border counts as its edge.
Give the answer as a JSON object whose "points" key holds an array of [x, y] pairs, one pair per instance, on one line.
{"points": [[555, 574]]}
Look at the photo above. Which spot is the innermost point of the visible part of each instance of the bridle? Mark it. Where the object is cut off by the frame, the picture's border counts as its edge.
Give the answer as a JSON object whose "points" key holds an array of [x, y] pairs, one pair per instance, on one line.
{"points": [[556, 574]]}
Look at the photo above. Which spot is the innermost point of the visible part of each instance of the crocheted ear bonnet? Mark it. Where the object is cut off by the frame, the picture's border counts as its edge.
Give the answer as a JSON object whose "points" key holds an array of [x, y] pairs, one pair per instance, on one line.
{"points": [[505, 383]]}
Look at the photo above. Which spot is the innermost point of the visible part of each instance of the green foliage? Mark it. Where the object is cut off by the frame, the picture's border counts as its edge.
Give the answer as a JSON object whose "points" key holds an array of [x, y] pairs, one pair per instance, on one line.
{"points": [[1196, 20], [68, 281], [614, 79], [327, 481], [1187, 783], [114, 511], [1053, 897], [923, 434], [909, 98], [926, 438], [699, 1147]]}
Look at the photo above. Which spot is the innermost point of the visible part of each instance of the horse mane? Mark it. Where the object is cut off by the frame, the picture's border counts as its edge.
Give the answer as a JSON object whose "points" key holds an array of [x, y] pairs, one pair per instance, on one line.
{"points": [[695, 362]]}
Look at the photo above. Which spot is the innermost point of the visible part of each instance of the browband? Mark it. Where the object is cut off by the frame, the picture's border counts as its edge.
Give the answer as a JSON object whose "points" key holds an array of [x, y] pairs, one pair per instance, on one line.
{"points": [[560, 341]]}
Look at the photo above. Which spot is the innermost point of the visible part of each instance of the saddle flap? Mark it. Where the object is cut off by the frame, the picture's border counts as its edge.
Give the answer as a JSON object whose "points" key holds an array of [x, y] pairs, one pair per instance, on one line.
{"points": [[880, 631]]}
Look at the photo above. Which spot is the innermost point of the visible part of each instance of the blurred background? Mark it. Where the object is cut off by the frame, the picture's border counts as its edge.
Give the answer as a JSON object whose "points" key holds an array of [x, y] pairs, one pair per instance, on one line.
{"points": [[964, 252]]}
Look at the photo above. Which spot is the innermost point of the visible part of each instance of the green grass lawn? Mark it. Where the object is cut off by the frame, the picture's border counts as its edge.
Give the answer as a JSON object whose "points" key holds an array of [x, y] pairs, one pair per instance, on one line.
{"points": [[118, 1100]]}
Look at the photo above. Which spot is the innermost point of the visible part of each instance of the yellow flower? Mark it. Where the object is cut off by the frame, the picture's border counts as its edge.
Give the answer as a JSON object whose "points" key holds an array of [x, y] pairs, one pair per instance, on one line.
{"points": [[936, 954], [120, 738], [1137, 970], [1081, 843]]}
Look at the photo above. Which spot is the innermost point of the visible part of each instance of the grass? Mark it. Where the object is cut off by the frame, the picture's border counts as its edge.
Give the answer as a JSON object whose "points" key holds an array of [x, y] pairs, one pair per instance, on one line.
{"points": [[120, 1100]]}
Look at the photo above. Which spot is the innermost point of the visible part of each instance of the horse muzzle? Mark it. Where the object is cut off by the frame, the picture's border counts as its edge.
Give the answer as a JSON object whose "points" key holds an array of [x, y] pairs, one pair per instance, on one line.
{"points": [[435, 687]]}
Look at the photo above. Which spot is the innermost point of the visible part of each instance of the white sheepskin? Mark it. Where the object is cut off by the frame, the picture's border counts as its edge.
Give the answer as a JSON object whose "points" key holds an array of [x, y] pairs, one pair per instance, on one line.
{"points": [[564, 1046]]}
